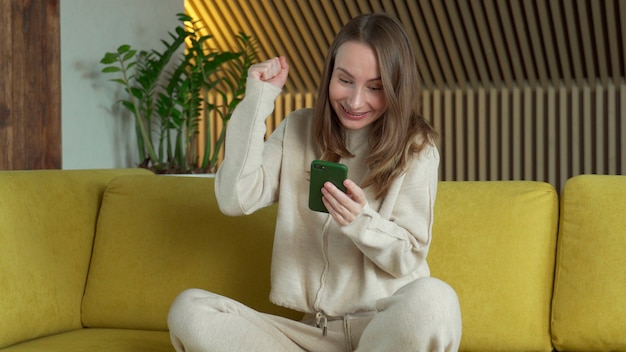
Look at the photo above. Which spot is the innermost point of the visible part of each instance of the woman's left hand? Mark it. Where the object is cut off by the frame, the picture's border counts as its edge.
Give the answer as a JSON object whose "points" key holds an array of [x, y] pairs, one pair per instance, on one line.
{"points": [[344, 207]]}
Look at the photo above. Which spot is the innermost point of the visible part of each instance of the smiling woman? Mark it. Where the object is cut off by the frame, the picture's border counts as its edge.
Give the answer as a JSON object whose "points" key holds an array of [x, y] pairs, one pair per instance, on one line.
{"points": [[355, 89], [377, 229]]}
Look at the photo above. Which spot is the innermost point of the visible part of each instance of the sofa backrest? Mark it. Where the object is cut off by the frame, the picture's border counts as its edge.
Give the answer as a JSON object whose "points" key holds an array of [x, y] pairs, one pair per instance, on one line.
{"points": [[589, 304], [47, 223], [494, 242], [158, 236]]}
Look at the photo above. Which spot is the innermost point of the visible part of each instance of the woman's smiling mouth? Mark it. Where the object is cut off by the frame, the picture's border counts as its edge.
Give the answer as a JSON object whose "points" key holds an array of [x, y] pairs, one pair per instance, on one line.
{"points": [[353, 115]]}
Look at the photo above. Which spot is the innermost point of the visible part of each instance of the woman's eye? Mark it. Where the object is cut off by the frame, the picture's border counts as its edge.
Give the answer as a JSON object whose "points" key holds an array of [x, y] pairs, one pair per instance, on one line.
{"points": [[376, 88], [343, 80]]}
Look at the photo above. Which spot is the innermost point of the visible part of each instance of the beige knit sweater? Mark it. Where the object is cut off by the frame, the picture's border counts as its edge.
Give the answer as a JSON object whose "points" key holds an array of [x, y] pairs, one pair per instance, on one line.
{"points": [[317, 265]]}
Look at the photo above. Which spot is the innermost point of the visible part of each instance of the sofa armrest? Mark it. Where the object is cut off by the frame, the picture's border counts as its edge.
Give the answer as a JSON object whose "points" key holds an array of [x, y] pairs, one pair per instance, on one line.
{"points": [[589, 309]]}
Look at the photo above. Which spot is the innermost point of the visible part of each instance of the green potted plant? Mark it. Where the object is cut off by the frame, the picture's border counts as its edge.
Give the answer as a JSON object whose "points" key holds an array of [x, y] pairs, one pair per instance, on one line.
{"points": [[169, 91]]}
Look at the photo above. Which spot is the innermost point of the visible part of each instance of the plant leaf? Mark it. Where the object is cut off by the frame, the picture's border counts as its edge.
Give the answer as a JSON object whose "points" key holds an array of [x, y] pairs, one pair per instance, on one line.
{"points": [[129, 55], [123, 48], [109, 58], [183, 17], [136, 92], [111, 69], [128, 105]]}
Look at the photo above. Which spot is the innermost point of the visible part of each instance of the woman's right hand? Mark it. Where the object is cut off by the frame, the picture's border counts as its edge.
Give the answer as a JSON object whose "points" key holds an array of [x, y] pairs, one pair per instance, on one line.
{"points": [[273, 71]]}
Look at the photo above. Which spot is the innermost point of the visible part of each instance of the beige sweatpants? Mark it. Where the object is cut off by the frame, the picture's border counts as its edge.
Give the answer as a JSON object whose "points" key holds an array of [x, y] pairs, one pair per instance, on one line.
{"points": [[422, 316]]}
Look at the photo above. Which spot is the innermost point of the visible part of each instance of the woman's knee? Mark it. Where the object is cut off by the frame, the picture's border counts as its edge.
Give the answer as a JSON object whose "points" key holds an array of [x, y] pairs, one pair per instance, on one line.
{"points": [[187, 304], [428, 290], [426, 299], [423, 315], [188, 297]]}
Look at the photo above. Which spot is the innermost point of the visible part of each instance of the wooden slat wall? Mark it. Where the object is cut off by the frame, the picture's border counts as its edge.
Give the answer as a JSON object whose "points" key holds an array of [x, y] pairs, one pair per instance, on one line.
{"points": [[30, 85], [519, 89], [460, 43], [530, 134]]}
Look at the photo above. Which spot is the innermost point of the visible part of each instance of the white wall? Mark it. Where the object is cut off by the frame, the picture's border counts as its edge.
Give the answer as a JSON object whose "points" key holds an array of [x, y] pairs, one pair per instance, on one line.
{"points": [[96, 132]]}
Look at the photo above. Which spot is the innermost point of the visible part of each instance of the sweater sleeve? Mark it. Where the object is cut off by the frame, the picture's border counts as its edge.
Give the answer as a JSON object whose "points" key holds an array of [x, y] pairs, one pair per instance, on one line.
{"points": [[397, 237], [247, 179]]}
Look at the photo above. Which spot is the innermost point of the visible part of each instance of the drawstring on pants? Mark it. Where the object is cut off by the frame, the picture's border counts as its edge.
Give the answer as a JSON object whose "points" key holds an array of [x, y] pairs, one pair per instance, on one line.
{"points": [[321, 321]]}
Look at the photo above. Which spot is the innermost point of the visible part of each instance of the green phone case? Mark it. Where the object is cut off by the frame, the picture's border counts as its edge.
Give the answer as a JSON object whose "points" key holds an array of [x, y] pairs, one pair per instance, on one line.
{"points": [[321, 172]]}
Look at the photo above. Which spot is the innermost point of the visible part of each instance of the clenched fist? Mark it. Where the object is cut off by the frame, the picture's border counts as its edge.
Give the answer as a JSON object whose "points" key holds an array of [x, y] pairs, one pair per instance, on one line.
{"points": [[273, 71]]}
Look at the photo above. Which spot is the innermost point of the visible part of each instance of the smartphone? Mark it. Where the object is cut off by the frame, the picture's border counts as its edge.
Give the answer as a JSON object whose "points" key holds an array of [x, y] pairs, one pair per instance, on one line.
{"points": [[321, 172]]}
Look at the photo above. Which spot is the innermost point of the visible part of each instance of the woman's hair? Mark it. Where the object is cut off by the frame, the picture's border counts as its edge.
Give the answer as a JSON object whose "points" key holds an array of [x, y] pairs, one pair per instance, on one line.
{"points": [[401, 131]]}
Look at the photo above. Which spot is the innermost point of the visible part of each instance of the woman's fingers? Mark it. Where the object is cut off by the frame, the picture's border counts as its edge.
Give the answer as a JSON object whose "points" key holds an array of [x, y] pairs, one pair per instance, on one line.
{"points": [[343, 207]]}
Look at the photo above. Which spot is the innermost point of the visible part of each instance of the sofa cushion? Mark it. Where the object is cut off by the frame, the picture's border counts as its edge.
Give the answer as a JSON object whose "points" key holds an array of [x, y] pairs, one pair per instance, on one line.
{"points": [[93, 340], [494, 242], [47, 224], [158, 236], [589, 309]]}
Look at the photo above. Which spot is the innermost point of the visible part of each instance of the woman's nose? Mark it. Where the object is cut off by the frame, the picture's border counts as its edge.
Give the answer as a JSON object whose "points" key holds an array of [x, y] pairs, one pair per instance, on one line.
{"points": [[356, 99]]}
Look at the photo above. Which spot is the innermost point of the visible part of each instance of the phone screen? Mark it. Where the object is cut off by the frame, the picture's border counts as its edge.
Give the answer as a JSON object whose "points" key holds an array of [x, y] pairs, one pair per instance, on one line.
{"points": [[321, 172]]}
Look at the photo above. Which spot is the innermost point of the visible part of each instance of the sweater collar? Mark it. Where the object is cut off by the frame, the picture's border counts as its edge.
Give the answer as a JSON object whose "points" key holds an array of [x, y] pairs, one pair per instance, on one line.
{"points": [[357, 139]]}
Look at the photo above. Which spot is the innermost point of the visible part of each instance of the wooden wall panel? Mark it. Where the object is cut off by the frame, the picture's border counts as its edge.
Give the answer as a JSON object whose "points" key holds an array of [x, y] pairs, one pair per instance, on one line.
{"points": [[30, 85], [459, 43], [518, 89]]}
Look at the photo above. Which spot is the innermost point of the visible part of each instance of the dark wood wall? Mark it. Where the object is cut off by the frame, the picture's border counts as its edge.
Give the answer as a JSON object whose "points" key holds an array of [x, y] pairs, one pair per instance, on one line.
{"points": [[30, 85]]}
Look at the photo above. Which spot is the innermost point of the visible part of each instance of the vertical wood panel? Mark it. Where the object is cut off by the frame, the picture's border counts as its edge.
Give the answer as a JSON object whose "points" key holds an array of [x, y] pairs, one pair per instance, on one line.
{"points": [[611, 128], [505, 135], [613, 37], [460, 39], [448, 118], [599, 136], [521, 28], [536, 42], [516, 127], [535, 138], [588, 50], [483, 147], [474, 42], [434, 34], [448, 39], [511, 41], [561, 42], [470, 116], [7, 128], [30, 88], [460, 130], [573, 40], [576, 132], [527, 130], [546, 19], [559, 156], [492, 131], [598, 40], [420, 57], [424, 40], [587, 119], [621, 118], [494, 19]]}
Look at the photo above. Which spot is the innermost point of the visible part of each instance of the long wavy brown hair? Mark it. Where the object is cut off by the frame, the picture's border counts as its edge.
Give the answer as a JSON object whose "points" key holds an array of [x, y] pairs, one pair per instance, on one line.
{"points": [[401, 132]]}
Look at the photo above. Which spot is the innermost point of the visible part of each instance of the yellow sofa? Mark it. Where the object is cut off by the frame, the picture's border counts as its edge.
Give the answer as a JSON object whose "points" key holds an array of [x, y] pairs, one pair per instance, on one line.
{"points": [[90, 260]]}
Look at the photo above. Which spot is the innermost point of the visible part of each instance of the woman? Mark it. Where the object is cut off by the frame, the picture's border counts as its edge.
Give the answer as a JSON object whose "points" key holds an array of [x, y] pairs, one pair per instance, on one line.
{"points": [[359, 273]]}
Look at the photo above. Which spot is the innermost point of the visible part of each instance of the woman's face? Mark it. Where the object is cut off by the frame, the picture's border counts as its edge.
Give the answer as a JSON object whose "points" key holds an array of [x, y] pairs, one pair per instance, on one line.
{"points": [[356, 90]]}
